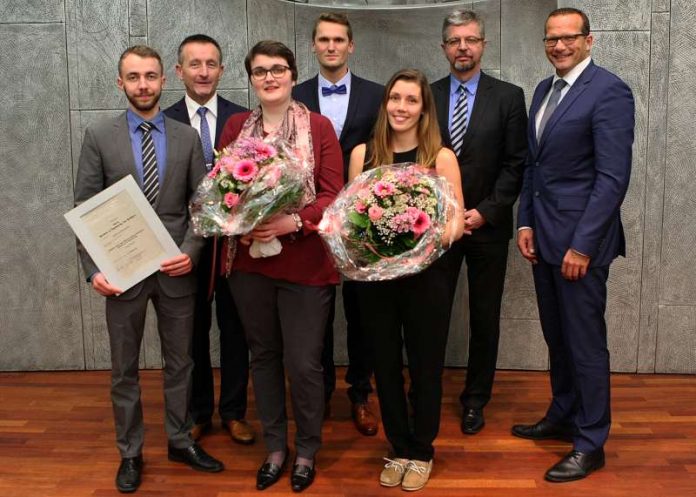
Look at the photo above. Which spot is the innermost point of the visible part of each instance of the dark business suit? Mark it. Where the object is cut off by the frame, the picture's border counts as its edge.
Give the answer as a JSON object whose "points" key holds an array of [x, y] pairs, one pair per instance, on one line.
{"points": [[234, 353], [491, 161], [575, 180], [363, 105], [107, 157]]}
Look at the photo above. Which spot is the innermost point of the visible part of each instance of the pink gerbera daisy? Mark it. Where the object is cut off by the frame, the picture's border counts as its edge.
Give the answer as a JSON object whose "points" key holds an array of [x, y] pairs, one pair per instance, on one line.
{"points": [[421, 224], [245, 170]]}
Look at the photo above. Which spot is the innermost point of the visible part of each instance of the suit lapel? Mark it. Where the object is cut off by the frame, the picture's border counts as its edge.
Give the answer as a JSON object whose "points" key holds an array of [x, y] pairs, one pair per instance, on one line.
{"points": [[477, 114], [224, 113], [353, 101], [314, 95], [574, 92], [539, 95], [122, 137], [441, 95], [173, 154]]}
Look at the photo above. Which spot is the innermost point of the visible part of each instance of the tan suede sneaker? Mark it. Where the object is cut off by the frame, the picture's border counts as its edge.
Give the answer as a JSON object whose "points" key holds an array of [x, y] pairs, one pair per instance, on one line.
{"points": [[417, 475], [393, 472]]}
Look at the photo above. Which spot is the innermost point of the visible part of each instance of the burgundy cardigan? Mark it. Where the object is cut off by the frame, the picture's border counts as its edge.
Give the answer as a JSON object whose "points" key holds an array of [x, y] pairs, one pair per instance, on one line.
{"points": [[304, 258]]}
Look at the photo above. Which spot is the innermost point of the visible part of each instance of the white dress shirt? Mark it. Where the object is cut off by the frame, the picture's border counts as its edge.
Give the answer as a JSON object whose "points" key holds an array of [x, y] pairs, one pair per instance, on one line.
{"points": [[210, 116], [335, 106]]}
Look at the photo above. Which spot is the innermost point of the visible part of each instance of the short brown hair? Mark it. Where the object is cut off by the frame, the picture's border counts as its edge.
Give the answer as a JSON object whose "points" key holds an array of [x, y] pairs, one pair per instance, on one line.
{"points": [[141, 51], [336, 18], [569, 11], [271, 48]]}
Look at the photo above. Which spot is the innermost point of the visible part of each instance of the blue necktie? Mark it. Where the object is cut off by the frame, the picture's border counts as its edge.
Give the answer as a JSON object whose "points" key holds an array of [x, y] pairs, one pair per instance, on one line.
{"points": [[205, 138], [459, 120], [551, 106], [329, 90]]}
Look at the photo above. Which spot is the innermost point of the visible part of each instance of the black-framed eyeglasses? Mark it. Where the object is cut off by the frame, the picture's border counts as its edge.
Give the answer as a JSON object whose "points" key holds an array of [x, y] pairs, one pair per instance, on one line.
{"points": [[277, 71], [469, 41], [552, 41]]}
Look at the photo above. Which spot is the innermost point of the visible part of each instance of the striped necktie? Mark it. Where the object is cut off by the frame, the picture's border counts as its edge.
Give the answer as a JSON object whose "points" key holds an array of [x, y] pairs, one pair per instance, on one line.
{"points": [[459, 120], [150, 174], [205, 138]]}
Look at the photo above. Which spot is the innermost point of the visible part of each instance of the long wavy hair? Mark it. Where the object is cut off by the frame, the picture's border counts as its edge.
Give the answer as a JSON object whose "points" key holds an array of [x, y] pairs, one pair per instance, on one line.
{"points": [[429, 138]]}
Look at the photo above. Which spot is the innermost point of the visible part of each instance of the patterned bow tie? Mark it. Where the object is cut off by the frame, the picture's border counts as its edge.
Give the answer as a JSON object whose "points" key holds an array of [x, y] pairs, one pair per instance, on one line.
{"points": [[339, 90]]}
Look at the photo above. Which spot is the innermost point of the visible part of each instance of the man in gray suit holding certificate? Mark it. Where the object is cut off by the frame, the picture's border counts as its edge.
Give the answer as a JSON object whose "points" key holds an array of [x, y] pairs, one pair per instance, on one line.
{"points": [[166, 159]]}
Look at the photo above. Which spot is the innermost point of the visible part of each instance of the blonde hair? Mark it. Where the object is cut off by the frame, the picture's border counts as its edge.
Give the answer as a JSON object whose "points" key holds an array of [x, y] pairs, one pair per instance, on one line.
{"points": [[429, 138]]}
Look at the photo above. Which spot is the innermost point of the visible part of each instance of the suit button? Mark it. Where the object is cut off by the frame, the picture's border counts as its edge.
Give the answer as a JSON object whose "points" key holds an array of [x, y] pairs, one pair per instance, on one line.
{"points": [[536, 194]]}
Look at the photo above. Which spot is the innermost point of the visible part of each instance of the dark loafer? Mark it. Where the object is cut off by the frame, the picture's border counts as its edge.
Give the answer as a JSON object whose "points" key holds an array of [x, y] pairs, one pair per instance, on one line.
{"points": [[129, 474], [544, 430], [302, 477], [575, 466], [269, 473], [473, 421], [197, 458]]}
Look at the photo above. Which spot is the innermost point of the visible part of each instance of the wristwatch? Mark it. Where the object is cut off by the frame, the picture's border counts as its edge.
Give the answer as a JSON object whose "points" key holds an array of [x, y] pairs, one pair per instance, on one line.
{"points": [[298, 221]]}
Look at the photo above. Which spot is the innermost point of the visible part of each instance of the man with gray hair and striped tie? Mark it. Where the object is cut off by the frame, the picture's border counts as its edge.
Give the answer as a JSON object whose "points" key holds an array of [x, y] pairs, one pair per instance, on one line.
{"points": [[484, 121]]}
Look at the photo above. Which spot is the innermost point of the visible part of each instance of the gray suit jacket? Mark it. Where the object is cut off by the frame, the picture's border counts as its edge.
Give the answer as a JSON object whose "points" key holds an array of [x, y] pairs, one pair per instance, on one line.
{"points": [[107, 157]]}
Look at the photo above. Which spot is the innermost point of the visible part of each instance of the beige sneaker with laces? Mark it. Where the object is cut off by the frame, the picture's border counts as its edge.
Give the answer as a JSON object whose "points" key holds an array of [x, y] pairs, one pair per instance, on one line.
{"points": [[417, 475], [393, 472]]}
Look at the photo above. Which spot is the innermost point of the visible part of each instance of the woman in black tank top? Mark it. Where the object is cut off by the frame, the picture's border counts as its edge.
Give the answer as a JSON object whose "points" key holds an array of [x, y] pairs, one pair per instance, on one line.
{"points": [[406, 131]]}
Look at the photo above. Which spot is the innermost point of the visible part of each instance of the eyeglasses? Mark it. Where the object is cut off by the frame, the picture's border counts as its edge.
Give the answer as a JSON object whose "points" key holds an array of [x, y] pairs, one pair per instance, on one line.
{"points": [[469, 41], [566, 39], [277, 71]]}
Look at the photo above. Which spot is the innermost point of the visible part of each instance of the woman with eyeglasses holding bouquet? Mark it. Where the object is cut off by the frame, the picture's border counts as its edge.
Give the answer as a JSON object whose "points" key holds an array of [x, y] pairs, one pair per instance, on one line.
{"points": [[407, 131], [283, 299]]}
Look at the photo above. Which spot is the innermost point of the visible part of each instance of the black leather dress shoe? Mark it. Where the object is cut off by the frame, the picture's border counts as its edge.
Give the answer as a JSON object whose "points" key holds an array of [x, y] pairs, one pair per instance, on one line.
{"points": [[269, 473], [575, 466], [128, 476], [302, 477], [473, 421], [196, 457], [544, 430]]}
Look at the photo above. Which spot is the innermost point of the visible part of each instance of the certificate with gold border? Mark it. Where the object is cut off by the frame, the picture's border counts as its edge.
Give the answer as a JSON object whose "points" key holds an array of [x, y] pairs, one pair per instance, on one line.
{"points": [[122, 234]]}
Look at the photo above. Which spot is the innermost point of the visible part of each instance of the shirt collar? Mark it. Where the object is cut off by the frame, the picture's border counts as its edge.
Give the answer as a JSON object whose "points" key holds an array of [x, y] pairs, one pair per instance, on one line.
{"points": [[574, 73], [192, 106], [470, 86], [345, 80], [134, 120]]}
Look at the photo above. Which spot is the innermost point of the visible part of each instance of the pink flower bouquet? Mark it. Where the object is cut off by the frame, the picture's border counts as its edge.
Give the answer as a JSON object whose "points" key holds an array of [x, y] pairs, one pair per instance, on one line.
{"points": [[388, 222], [251, 181]]}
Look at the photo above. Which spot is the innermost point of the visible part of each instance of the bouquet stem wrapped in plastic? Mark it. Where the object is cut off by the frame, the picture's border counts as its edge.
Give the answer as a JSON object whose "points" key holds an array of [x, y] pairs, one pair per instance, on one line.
{"points": [[388, 222], [251, 181]]}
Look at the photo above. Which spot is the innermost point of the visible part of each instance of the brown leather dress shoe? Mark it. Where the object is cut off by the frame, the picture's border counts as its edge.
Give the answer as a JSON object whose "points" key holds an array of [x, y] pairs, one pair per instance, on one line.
{"points": [[200, 429], [240, 431], [365, 421]]}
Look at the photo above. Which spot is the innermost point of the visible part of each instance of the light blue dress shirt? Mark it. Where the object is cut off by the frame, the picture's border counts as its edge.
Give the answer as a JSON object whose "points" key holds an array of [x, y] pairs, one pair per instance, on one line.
{"points": [[470, 87], [159, 137], [335, 106]]}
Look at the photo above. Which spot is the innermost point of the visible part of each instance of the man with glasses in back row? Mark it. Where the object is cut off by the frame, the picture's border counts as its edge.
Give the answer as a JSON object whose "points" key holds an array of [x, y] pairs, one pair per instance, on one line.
{"points": [[580, 147], [484, 121]]}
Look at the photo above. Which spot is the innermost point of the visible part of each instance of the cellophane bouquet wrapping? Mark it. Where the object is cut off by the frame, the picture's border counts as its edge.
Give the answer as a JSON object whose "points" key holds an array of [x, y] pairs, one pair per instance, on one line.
{"points": [[251, 180], [388, 222]]}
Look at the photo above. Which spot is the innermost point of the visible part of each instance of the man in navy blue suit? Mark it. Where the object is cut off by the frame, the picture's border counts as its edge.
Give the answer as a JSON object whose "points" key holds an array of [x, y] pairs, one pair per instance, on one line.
{"points": [[580, 139], [200, 68], [351, 103]]}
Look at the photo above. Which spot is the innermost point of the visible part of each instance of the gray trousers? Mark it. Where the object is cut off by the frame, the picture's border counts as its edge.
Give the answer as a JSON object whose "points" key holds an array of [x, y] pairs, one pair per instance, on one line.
{"points": [[125, 320], [284, 324]]}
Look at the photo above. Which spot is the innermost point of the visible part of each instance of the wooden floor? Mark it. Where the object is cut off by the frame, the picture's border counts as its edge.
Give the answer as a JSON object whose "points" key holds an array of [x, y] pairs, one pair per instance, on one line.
{"points": [[56, 439]]}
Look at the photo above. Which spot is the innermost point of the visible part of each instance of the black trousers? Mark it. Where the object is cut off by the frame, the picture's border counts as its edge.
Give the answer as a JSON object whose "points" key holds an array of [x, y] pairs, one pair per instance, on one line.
{"points": [[359, 366], [486, 264], [421, 305], [285, 324], [234, 353]]}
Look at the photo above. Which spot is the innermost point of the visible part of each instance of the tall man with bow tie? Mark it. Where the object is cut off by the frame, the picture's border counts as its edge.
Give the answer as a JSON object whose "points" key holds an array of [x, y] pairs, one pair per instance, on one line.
{"points": [[200, 68], [483, 119], [351, 103]]}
